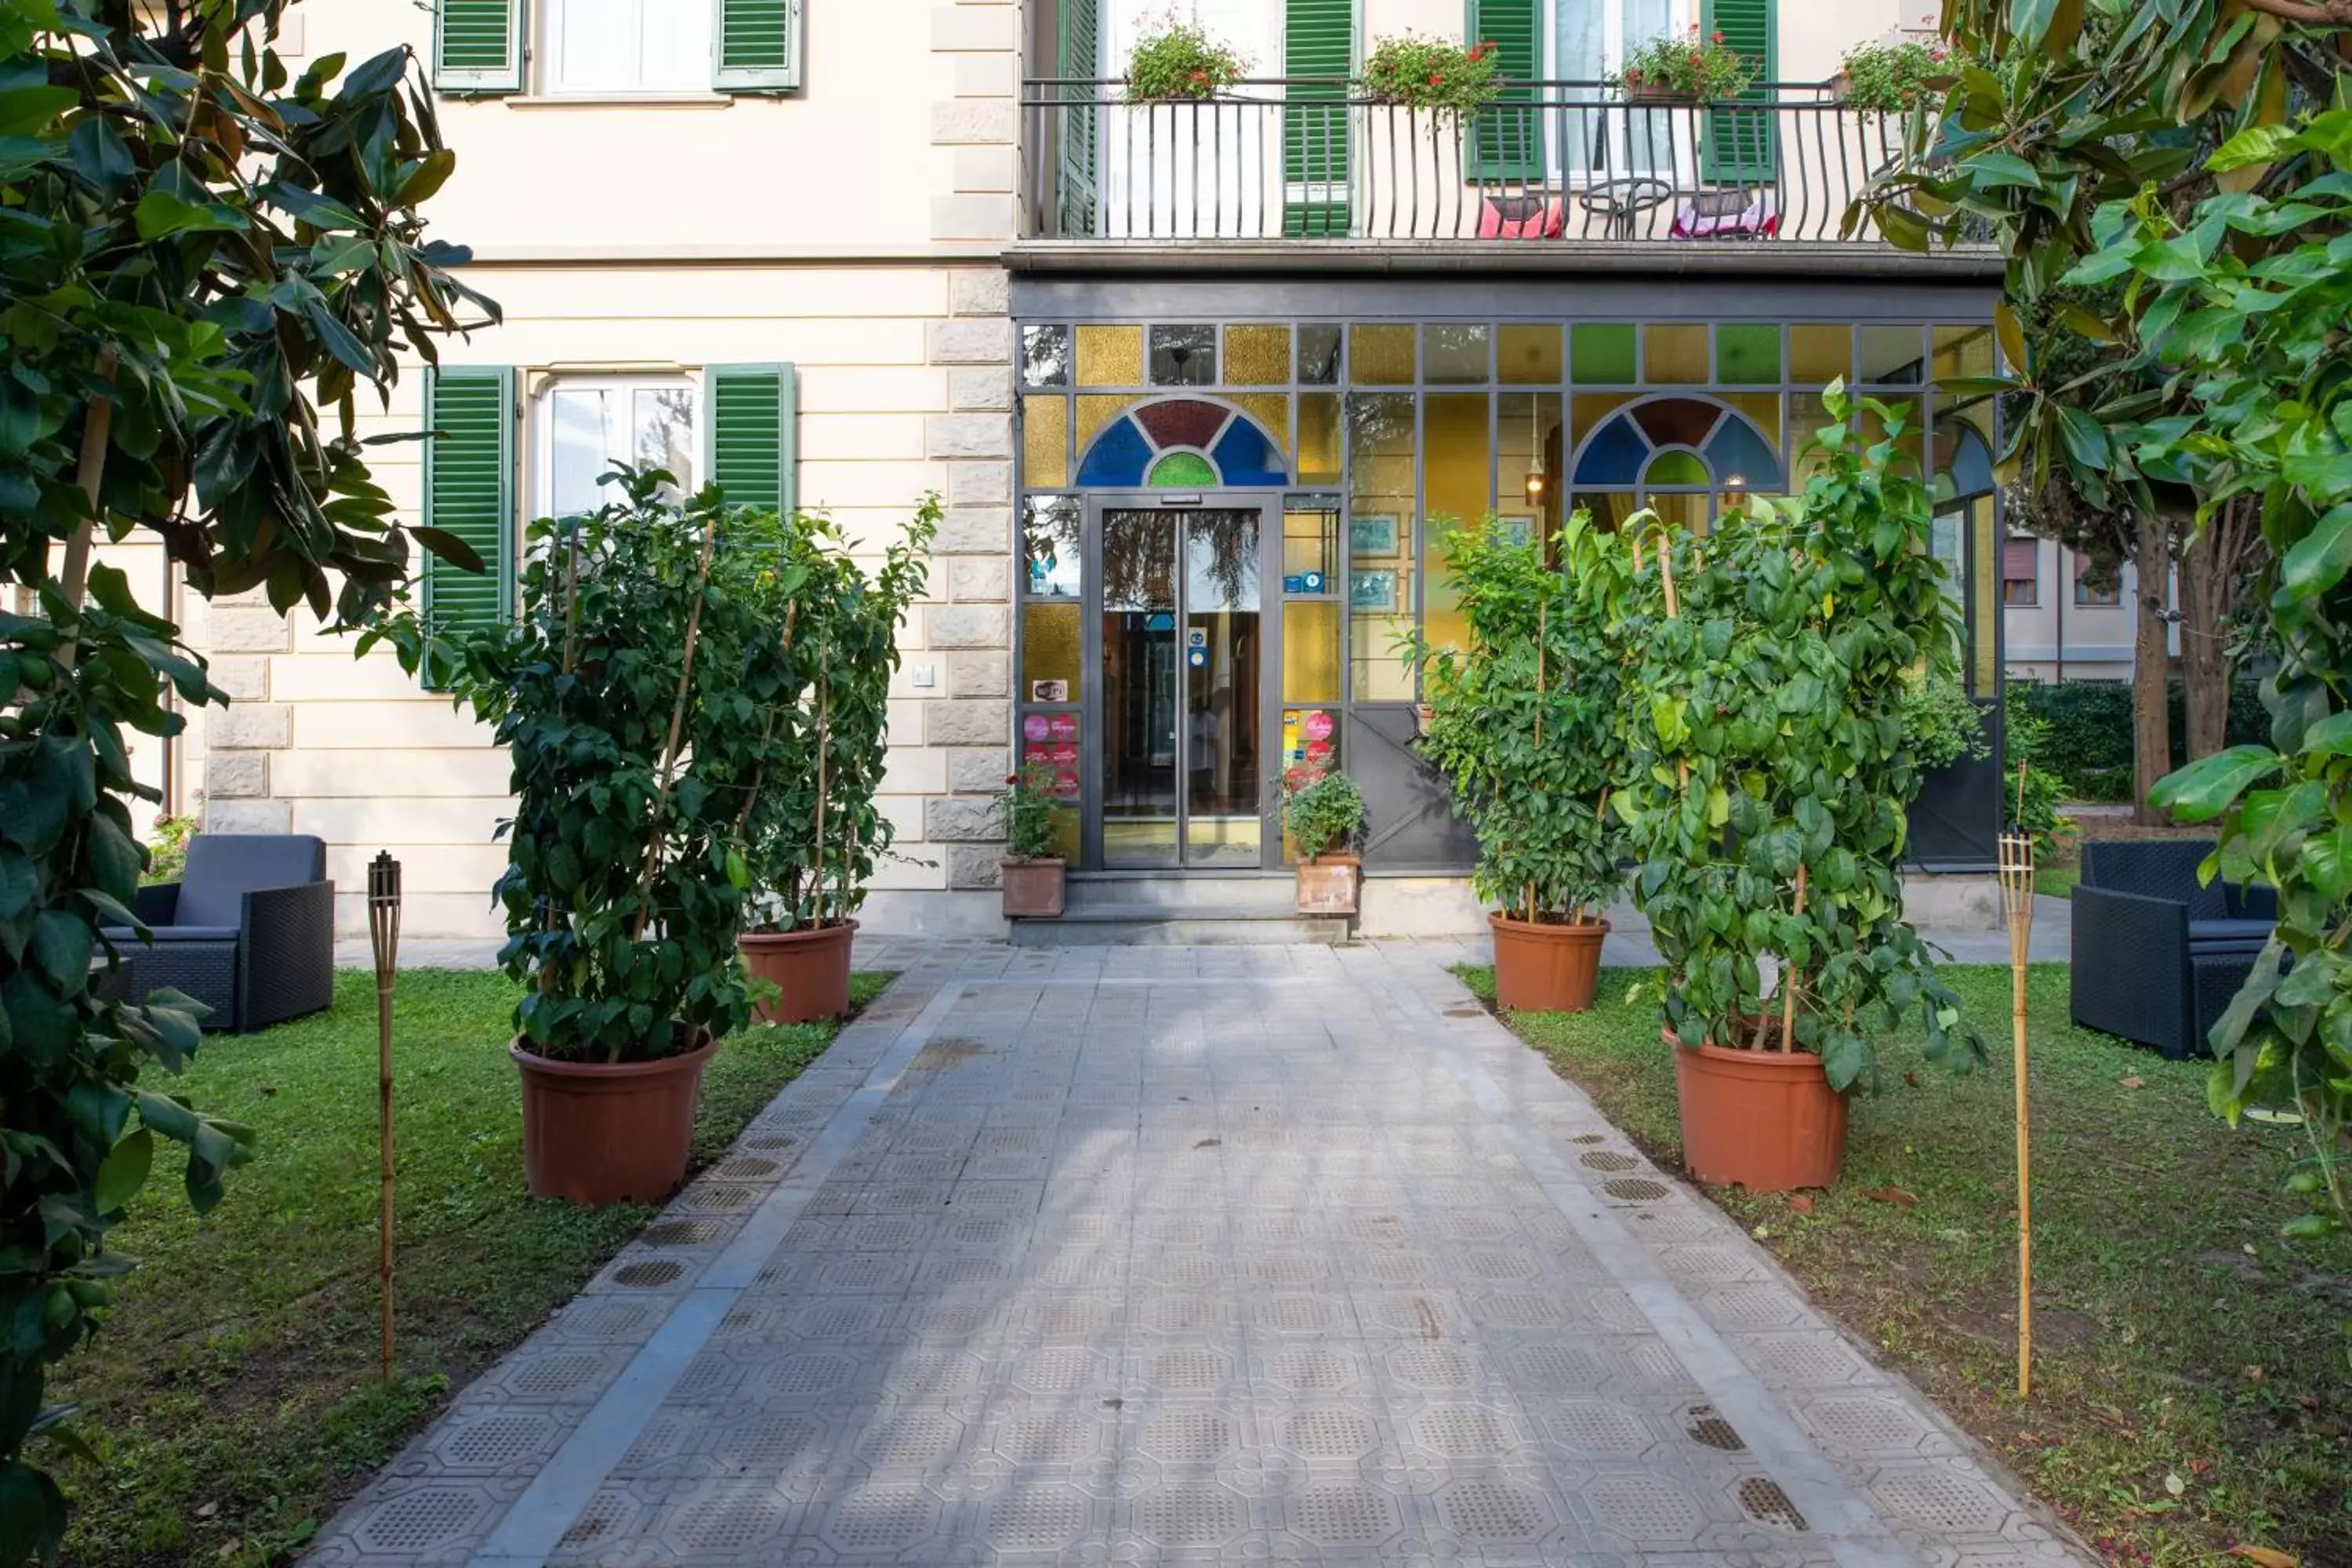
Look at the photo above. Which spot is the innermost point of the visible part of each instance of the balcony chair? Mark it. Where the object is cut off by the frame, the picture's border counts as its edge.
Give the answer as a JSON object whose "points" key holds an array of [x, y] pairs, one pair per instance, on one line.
{"points": [[1729, 212], [248, 930], [2156, 956], [1520, 216]]}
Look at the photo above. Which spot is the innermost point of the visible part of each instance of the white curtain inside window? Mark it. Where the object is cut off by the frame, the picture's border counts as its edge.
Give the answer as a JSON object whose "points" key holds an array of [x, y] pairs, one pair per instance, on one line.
{"points": [[590, 427], [628, 46], [1589, 39]]}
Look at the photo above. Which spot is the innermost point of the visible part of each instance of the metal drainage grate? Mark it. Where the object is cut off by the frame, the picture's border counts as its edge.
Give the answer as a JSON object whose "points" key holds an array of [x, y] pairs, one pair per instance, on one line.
{"points": [[1706, 1427], [1766, 1502], [645, 1275], [744, 1168], [682, 1233], [1606, 1160], [1590, 1137], [1634, 1189]]}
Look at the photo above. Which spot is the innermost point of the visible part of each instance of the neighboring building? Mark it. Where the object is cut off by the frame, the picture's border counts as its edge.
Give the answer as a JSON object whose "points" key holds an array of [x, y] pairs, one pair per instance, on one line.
{"points": [[1193, 379], [2059, 621]]}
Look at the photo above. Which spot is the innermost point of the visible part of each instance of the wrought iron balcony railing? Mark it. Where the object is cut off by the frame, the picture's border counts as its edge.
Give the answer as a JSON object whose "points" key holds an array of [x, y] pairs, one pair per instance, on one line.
{"points": [[1302, 158]]}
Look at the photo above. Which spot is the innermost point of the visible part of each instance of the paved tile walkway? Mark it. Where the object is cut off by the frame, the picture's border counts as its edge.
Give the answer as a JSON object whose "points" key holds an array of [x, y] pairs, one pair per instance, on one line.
{"points": [[1187, 1256]]}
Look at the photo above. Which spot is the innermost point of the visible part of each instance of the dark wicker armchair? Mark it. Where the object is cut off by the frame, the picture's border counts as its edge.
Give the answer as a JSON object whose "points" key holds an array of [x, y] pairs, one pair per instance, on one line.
{"points": [[2156, 956], [248, 930]]}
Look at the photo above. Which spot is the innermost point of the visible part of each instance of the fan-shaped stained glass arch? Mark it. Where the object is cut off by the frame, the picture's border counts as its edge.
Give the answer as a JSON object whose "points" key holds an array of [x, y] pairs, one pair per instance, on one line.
{"points": [[1679, 441], [1183, 443], [1963, 461]]}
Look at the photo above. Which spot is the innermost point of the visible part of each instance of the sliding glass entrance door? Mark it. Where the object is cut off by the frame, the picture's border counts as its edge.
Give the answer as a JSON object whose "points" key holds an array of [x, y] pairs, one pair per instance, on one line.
{"points": [[1182, 776]]}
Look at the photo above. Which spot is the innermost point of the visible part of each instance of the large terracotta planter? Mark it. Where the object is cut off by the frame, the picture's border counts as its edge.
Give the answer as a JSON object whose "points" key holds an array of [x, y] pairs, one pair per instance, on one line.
{"points": [[1327, 884], [809, 969], [1541, 967], [1032, 889], [1767, 1121], [608, 1133]]}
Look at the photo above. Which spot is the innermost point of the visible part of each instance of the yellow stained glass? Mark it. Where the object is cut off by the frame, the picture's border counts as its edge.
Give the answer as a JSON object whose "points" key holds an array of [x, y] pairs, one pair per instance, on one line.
{"points": [[1066, 834], [1318, 438], [1677, 355], [1818, 354], [1046, 441], [1095, 411], [1111, 356], [1380, 355], [1310, 650], [1257, 356], [1528, 354], [1588, 411], [1963, 351], [1270, 409], [1310, 543], [1808, 415], [1049, 651], [1986, 660], [1382, 543], [1763, 407]]}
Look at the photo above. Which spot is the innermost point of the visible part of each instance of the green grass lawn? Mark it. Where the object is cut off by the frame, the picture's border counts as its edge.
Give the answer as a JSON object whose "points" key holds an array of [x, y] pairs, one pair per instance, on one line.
{"points": [[2193, 1374], [233, 1398]]}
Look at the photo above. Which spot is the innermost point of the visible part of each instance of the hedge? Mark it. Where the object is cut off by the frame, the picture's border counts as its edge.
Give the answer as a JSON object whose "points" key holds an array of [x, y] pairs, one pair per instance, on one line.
{"points": [[2090, 744]]}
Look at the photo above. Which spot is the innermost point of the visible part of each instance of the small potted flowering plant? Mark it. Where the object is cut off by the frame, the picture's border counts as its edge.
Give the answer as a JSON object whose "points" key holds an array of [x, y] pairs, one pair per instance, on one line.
{"points": [[1685, 68], [1417, 72], [1891, 77], [1031, 884], [1181, 62], [1325, 814]]}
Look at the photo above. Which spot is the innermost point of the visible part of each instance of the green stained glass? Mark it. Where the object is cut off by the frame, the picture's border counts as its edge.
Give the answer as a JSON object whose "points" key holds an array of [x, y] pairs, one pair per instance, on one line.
{"points": [[1601, 354], [1747, 354], [1179, 469], [1676, 469]]}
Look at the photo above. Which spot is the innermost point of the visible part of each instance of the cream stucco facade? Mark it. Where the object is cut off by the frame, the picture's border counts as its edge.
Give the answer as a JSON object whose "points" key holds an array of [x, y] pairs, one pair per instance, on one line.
{"points": [[854, 229]]}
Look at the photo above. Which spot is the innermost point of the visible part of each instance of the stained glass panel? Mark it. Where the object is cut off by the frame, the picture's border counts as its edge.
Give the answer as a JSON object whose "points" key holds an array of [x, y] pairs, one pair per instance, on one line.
{"points": [[1257, 356], [1111, 356], [1045, 440]]}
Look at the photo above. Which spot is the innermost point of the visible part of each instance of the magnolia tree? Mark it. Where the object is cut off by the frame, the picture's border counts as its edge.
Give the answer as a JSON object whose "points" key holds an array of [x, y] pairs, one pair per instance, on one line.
{"points": [[1769, 775], [204, 258]]}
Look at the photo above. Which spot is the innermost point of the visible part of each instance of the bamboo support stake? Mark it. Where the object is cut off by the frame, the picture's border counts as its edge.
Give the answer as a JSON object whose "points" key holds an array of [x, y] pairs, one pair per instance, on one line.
{"points": [[2017, 906], [1789, 980], [384, 932]]}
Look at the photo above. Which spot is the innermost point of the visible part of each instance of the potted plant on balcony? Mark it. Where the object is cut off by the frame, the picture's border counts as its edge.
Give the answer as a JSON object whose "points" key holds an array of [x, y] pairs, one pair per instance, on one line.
{"points": [[1181, 63], [1031, 870], [1891, 77], [1412, 71], [1683, 69], [1324, 812], [1522, 720], [618, 692], [1767, 797], [812, 836]]}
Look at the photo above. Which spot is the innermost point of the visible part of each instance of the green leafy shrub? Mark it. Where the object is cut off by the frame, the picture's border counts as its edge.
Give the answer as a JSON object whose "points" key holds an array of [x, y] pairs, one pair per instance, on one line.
{"points": [[1420, 72], [167, 855], [1893, 78], [1941, 723], [1770, 772], [2089, 750], [1691, 65], [813, 836], [1181, 62], [2026, 738], [1324, 811], [1025, 807], [1522, 719]]}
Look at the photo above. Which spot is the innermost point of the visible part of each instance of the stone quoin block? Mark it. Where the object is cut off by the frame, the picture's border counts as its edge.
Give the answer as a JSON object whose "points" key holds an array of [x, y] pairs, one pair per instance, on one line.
{"points": [[967, 342], [966, 626], [951, 819], [985, 389], [975, 865], [967, 722], [979, 580], [247, 815], [977, 770], [980, 484], [235, 775], [980, 293], [250, 726], [967, 435], [979, 674]]}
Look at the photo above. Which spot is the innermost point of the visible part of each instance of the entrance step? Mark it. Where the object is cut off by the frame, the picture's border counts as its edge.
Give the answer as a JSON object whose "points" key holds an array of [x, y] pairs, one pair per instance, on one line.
{"points": [[1190, 890], [1100, 924]]}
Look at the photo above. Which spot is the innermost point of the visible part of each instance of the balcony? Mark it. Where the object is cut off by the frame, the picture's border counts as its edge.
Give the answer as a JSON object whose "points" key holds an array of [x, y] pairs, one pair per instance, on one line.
{"points": [[1552, 172]]}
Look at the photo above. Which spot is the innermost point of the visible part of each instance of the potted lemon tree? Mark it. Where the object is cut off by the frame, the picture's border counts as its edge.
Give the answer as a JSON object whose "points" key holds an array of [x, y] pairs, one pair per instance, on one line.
{"points": [[1771, 775], [1522, 720]]}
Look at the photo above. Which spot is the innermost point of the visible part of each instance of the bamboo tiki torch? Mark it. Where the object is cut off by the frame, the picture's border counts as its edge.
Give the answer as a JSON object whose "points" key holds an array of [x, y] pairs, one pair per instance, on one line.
{"points": [[384, 933], [2017, 905]]}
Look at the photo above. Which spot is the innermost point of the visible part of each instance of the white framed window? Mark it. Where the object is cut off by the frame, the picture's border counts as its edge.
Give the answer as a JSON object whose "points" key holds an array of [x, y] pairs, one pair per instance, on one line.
{"points": [[1585, 41], [626, 46], [581, 425]]}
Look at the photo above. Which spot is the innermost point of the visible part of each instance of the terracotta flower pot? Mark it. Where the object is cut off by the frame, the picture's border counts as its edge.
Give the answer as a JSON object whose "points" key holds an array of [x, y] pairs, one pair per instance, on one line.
{"points": [[1767, 1121], [1032, 889], [1546, 968], [608, 1133], [810, 969], [1658, 97], [1327, 884]]}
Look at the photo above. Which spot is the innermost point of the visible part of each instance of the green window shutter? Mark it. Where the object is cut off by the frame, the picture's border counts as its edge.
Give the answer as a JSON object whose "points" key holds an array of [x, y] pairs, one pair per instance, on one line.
{"points": [[469, 491], [752, 446], [758, 45], [1318, 40], [1506, 142], [1078, 135], [1741, 143], [478, 46]]}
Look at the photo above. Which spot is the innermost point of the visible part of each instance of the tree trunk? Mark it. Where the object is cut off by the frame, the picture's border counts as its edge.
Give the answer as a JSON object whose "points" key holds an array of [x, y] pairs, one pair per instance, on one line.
{"points": [[2151, 664], [2212, 575]]}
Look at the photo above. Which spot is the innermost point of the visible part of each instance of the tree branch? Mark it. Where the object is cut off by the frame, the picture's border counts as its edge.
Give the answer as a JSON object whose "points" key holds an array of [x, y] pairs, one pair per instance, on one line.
{"points": [[2317, 12]]}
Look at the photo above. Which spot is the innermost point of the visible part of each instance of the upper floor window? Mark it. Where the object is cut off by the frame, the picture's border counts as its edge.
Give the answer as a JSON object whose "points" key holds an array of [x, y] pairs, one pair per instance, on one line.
{"points": [[627, 45], [2021, 573]]}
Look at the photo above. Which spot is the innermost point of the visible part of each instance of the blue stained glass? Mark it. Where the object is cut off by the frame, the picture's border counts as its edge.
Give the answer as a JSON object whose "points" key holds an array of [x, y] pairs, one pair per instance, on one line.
{"points": [[1738, 448], [1116, 457], [1613, 459], [1971, 468], [1246, 458]]}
